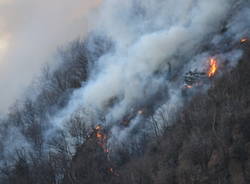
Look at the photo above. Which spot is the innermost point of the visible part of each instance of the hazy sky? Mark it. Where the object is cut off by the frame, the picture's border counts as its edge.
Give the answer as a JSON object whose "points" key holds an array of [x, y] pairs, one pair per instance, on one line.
{"points": [[30, 33]]}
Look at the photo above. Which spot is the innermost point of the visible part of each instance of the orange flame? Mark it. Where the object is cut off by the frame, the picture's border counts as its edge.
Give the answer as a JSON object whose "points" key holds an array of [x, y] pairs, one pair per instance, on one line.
{"points": [[213, 67], [243, 40], [140, 112], [98, 127], [188, 86], [101, 137]]}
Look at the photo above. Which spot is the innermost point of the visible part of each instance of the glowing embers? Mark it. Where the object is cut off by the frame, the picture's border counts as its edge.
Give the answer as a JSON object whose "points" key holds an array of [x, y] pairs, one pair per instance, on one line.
{"points": [[213, 67], [188, 86], [102, 142], [195, 78], [101, 138], [140, 112], [243, 40]]}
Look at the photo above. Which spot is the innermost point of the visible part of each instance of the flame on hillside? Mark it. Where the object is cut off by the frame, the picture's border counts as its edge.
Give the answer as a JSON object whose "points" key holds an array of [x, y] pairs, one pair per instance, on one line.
{"points": [[101, 138], [213, 67], [102, 142], [188, 86], [243, 40], [140, 112]]}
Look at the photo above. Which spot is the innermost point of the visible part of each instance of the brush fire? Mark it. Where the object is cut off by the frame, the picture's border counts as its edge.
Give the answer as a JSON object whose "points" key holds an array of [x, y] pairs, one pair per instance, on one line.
{"points": [[140, 112], [196, 78], [102, 142], [101, 138], [243, 40], [213, 67]]}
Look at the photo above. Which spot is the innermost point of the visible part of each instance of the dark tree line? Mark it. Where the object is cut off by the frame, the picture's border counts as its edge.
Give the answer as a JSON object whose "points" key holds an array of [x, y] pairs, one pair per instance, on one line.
{"points": [[24, 157], [209, 142]]}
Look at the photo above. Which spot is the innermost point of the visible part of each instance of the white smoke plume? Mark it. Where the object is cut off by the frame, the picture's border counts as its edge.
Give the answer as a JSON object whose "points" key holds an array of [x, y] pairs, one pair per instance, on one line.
{"points": [[147, 36], [154, 41], [30, 33]]}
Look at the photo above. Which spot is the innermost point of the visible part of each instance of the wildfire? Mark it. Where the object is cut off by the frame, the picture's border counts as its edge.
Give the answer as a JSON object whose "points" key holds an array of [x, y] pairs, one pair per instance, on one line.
{"points": [[98, 127], [102, 142], [101, 137], [213, 67], [243, 40], [140, 112], [188, 86]]}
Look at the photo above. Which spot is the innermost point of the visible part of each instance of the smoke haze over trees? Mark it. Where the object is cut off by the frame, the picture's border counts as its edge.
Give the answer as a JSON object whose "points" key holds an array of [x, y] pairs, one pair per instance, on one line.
{"points": [[156, 92]]}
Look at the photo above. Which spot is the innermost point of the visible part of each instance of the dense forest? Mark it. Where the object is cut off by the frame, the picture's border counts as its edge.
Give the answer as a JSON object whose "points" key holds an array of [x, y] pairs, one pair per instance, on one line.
{"points": [[103, 115]]}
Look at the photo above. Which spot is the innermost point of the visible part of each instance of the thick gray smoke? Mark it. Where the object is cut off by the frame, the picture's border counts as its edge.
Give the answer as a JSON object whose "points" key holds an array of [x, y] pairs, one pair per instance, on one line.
{"points": [[148, 36], [30, 33], [155, 42]]}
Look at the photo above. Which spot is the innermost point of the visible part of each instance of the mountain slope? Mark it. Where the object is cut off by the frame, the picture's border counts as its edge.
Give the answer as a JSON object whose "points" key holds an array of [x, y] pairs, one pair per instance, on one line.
{"points": [[209, 143]]}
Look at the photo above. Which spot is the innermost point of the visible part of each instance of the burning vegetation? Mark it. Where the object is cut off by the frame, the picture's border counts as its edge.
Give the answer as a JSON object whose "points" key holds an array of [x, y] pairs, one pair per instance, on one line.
{"points": [[243, 40], [102, 142], [213, 67], [143, 146], [198, 78], [101, 138]]}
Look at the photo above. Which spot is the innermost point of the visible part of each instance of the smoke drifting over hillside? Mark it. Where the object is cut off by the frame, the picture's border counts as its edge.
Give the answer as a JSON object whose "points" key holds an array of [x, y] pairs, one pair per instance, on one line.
{"points": [[136, 55], [150, 37], [30, 33]]}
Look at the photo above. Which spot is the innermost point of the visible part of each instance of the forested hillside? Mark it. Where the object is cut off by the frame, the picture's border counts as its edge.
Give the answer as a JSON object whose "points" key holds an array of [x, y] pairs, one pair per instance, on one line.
{"points": [[160, 99]]}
